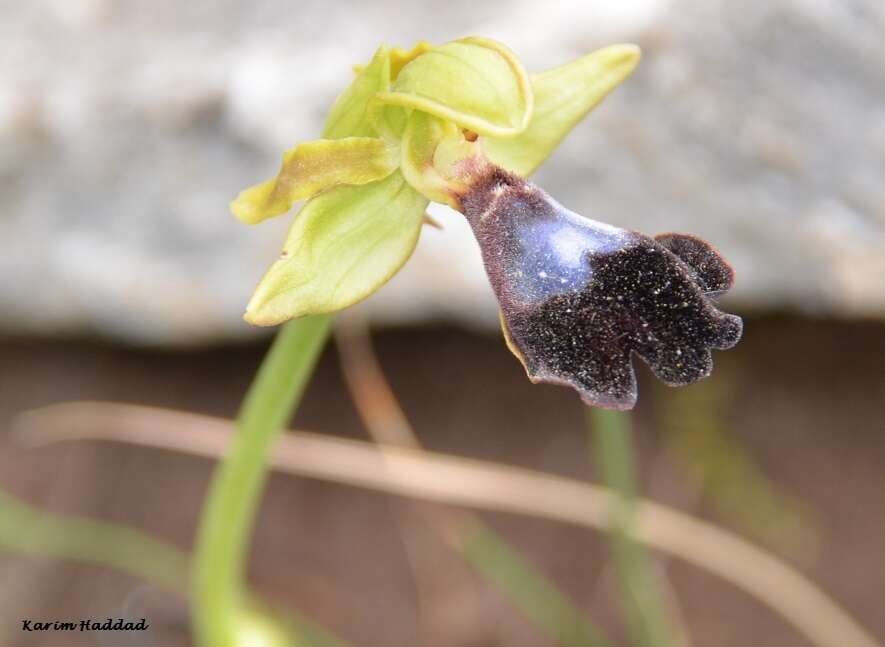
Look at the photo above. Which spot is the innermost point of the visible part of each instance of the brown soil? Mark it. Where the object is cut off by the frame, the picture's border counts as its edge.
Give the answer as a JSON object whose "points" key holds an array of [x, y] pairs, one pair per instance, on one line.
{"points": [[807, 405]]}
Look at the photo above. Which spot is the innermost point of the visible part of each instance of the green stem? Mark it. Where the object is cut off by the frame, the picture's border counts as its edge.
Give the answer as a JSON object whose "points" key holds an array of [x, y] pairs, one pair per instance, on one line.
{"points": [[642, 598], [219, 591]]}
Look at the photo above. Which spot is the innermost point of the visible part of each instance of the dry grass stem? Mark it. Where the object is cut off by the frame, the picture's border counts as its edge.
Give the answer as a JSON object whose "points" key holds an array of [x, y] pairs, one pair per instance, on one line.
{"points": [[471, 483]]}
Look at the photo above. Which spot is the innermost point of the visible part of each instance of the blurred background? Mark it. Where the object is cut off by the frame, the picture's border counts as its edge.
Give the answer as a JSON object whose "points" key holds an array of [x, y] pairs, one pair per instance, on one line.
{"points": [[125, 129]]}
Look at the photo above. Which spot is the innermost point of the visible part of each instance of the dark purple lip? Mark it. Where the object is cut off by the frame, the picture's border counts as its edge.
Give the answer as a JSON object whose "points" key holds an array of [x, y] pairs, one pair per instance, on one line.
{"points": [[579, 298]]}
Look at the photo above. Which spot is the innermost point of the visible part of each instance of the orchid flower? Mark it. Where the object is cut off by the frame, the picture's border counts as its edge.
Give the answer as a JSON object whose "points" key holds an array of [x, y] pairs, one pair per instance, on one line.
{"points": [[463, 124]]}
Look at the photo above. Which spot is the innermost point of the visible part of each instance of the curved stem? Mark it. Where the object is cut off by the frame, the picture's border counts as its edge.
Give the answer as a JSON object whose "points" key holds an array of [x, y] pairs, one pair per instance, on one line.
{"points": [[235, 491]]}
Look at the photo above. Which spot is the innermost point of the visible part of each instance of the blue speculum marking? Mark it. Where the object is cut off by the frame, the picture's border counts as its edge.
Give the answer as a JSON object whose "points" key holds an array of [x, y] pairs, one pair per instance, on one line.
{"points": [[551, 255]]}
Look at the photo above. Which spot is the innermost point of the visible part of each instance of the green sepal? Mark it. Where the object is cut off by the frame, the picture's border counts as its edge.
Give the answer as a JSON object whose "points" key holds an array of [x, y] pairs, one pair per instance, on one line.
{"points": [[563, 96], [344, 244], [313, 167], [476, 83]]}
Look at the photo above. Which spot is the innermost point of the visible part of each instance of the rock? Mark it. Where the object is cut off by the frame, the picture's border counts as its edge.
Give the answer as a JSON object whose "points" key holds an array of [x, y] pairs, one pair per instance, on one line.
{"points": [[125, 128]]}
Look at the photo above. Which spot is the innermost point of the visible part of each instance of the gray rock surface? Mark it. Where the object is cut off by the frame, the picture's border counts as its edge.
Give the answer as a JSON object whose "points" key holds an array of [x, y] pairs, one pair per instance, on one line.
{"points": [[126, 127]]}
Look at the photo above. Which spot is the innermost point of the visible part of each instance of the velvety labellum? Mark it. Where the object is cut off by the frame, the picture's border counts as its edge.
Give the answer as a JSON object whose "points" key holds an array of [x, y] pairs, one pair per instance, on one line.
{"points": [[579, 297]]}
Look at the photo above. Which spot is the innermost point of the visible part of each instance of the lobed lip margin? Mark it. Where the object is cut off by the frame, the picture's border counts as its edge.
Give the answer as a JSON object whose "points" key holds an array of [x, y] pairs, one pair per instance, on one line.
{"points": [[653, 298]]}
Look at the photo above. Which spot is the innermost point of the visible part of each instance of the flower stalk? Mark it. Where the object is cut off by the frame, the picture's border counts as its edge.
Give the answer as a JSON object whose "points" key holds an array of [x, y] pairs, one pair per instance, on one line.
{"points": [[220, 558]]}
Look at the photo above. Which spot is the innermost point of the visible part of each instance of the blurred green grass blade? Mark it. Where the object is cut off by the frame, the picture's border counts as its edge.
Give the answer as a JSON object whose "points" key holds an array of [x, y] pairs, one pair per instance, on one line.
{"points": [[695, 423], [544, 604], [29, 531], [642, 597]]}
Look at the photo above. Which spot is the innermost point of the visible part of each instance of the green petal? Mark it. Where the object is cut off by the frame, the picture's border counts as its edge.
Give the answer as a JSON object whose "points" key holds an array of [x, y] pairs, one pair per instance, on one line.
{"points": [[563, 96], [476, 83], [349, 114], [343, 245], [400, 57], [388, 121], [313, 167]]}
